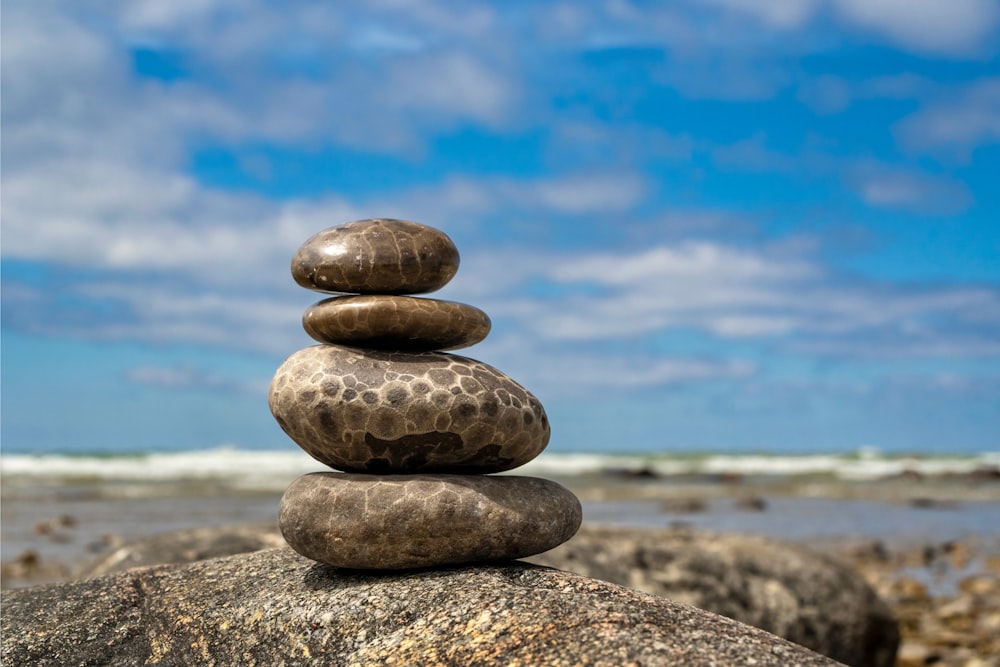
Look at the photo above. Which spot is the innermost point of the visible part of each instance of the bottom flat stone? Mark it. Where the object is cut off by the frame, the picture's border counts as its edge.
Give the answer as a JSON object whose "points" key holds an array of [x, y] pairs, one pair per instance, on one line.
{"points": [[395, 522]]}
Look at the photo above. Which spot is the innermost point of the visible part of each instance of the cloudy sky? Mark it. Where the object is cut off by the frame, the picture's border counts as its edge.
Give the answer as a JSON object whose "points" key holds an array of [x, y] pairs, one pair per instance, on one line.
{"points": [[703, 224]]}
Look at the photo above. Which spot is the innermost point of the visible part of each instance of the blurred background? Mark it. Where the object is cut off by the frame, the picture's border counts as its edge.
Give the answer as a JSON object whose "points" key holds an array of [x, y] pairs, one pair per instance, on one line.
{"points": [[716, 237], [709, 226]]}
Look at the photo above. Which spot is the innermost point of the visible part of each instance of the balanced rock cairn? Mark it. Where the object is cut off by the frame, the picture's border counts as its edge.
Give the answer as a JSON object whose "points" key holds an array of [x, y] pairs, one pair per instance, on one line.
{"points": [[414, 430]]}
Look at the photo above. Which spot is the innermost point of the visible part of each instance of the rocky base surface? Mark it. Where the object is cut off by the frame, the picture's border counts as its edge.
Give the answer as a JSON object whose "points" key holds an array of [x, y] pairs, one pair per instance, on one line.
{"points": [[274, 607], [946, 595], [779, 587]]}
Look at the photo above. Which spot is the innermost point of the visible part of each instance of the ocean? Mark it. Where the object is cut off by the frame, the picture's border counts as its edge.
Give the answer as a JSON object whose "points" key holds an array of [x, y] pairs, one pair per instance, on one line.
{"points": [[273, 469], [69, 507]]}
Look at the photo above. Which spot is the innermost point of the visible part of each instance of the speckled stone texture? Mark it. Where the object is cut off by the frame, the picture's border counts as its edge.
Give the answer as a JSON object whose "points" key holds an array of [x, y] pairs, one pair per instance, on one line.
{"points": [[402, 323], [383, 412], [276, 608], [394, 522], [380, 256]]}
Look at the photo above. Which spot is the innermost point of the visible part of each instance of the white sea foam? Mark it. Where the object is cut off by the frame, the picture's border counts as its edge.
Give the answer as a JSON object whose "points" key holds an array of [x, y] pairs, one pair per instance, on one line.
{"points": [[864, 465], [274, 469], [235, 467]]}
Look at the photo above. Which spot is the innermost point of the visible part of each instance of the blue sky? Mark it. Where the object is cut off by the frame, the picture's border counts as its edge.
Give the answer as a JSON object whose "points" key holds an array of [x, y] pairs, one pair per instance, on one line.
{"points": [[699, 225]]}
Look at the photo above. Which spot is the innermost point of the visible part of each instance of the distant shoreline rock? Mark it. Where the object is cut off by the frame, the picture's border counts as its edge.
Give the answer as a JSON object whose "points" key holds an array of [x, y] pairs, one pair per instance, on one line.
{"points": [[789, 590]]}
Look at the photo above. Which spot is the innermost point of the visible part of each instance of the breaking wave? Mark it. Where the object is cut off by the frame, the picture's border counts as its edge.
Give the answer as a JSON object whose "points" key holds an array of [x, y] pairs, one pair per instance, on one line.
{"points": [[274, 469]]}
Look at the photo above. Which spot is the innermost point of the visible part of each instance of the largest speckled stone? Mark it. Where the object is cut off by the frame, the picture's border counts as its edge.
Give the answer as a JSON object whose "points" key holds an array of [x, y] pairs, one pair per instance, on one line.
{"points": [[379, 256], [370, 411], [409, 521]]}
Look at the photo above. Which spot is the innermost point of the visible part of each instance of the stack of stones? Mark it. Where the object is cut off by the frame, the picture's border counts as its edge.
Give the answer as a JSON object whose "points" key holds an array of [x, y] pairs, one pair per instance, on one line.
{"points": [[414, 430]]}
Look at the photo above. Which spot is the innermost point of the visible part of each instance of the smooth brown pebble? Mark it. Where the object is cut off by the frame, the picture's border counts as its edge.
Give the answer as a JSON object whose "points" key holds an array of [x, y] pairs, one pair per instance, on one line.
{"points": [[380, 256], [412, 521], [373, 411], [402, 323]]}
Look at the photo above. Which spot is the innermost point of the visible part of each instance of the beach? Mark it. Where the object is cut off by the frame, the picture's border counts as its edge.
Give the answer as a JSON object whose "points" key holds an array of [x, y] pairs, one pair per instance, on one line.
{"points": [[924, 531]]}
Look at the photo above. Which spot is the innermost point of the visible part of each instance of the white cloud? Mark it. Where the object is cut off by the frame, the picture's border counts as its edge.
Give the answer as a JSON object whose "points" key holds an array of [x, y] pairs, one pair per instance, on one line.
{"points": [[957, 27], [103, 214], [164, 377], [569, 368], [589, 193], [189, 376], [621, 143], [254, 79], [709, 52], [631, 373], [952, 347], [752, 326], [909, 190], [752, 154], [728, 76], [899, 87], [826, 94], [109, 214], [465, 202], [150, 15], [781, 14], [726, 292], [226, 259], [448, 84], [168, 313], [382, 38], [666, 265], [956, 124]]}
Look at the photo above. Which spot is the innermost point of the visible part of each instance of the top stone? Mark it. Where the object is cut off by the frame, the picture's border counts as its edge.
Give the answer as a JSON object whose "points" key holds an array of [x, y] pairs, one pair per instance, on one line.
{"points": [[380, 256]]}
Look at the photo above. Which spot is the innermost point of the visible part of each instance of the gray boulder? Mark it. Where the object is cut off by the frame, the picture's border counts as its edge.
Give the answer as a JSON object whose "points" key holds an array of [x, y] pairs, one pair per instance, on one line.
{"points": [[186, 546], [793, 592], [274, 607]]}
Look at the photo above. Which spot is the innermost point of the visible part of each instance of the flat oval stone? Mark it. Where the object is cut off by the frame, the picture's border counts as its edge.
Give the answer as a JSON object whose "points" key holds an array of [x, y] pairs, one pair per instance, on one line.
{"points": [[396, 412], [410, 521], [403, 323], [381, 256]]}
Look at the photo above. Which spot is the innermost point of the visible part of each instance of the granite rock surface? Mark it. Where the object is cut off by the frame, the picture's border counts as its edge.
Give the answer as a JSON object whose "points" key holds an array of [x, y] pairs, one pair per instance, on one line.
{"points": [[274, 607], [410, 521], [402, 323], [378, 256], [834, 613], [397, 412]]}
